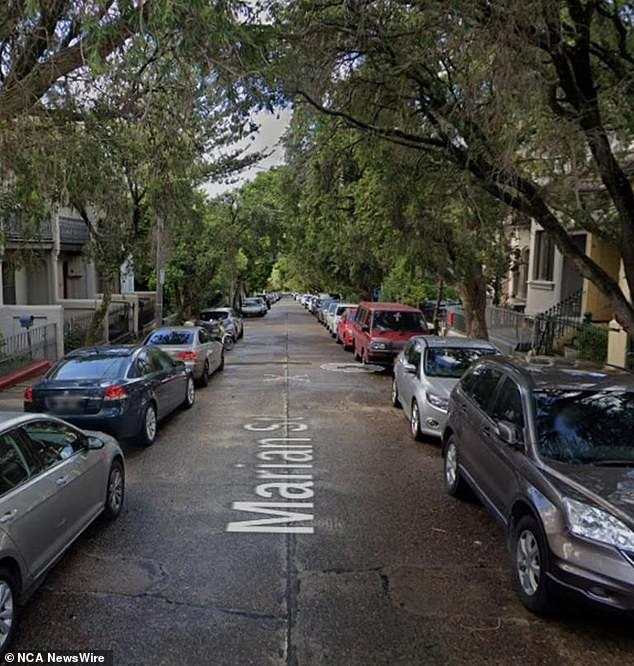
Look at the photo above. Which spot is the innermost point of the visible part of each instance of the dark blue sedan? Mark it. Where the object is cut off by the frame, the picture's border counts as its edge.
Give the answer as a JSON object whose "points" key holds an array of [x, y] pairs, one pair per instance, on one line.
{"points": [[123, 391]]}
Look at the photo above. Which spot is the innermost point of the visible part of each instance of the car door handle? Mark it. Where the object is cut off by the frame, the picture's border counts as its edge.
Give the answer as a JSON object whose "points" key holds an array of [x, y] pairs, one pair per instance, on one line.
{"points": [[8, 516], [62, 481]]}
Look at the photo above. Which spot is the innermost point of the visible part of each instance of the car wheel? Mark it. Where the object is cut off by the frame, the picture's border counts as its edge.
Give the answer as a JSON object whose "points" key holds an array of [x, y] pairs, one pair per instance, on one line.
{"points": [[530, 554], [204, 378], [221, 367], [228, 342], [356, 354], [395, 400], [115, 492], [364, 358], [241, 333], [8, 609], [147, 435], [454, 483], [414, 422], [190, 394]]}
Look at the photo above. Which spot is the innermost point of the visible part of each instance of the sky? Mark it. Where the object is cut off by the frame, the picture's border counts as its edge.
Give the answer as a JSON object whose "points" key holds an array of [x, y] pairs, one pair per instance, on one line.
{"points": [[272, 127]]}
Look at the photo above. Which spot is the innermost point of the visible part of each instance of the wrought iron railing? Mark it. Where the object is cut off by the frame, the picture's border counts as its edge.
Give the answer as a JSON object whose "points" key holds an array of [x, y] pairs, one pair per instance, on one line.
{"points": [[21, 349], [147, 314], [119, 323], [559, 323]]}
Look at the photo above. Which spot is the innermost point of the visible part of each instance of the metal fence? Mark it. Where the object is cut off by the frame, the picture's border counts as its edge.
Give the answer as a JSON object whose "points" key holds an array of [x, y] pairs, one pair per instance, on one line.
{"points": [[515, 328], [21, 349], [76, 330], [119, 323], [147, 314]]}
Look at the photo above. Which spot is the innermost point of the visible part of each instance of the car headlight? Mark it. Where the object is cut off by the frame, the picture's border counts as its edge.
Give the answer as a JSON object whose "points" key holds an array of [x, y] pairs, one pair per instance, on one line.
{"points": [[437, 402], [378, 345], [590, 522]]}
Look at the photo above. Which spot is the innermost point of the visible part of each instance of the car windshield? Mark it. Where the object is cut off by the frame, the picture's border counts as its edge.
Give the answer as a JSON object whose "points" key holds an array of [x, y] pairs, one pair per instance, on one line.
{"points": [[579, 427], [451, 362], [215, 314], [170, 338], [332, 308], [91, 367], [387, 320]]}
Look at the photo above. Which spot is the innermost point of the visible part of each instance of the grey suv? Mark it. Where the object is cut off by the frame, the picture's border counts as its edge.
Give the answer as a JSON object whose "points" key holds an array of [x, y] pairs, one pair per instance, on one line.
{"points": [[548, 446]]}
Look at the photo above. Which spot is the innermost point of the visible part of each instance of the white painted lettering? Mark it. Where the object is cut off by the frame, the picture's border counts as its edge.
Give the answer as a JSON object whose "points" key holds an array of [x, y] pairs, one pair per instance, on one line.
{"points": [[277, 525]]}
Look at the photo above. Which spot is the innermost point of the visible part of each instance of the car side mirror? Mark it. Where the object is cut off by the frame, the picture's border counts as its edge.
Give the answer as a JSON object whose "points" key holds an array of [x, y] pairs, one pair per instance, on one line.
{"points": [[94, 443], [409, 367], [510, 434]]}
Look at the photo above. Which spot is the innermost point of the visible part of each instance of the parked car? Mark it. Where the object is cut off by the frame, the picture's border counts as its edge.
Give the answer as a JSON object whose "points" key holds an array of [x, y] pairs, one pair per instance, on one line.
{"points": [[200, 350], [425, 372], [55, 480], [344, 328], [324, 306], [266, 299], [335, 316], [381, 330], [329, 313], [254, 307], [123, 391], [547, 445], [231, 321]]}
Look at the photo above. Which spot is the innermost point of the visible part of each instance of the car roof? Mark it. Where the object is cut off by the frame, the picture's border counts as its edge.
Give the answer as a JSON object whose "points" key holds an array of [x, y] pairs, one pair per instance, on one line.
{"points": [[104, 350], [374, 305], [455, 342], [545, 372]]}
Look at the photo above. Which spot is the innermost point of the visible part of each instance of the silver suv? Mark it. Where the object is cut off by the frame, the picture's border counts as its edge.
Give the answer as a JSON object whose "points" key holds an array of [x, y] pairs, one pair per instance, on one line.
{"points": [[548, 447]]}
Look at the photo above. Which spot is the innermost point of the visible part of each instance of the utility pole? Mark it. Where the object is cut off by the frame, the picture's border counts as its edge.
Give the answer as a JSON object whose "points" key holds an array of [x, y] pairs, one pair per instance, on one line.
{"points": [[160, 271]]}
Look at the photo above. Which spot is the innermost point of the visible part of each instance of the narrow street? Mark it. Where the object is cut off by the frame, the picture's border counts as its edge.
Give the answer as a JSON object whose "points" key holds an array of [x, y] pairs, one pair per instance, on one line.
{"points": [[393, 572]]}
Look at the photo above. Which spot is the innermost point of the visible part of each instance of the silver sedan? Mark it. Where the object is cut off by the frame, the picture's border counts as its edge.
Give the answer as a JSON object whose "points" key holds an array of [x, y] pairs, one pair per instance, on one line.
{"points": [[54, 481], [425, 373], [198, 348]]}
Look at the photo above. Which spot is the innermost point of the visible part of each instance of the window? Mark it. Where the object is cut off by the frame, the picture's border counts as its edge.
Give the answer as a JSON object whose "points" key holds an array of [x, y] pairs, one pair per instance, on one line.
{"points": [[215, 314], [15, 465], [389, 321], [481, 384], [508, 406], [143, 364], [170, 338], [544, 257], [53, 442], [107, 366], [586, 426], [412, 354], [448, 362], [160, 361]]}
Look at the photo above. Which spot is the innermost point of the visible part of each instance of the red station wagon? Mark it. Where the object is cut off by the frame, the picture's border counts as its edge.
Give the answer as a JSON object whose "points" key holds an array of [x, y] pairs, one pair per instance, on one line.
{"points": [[344, 333], [381, 330]]}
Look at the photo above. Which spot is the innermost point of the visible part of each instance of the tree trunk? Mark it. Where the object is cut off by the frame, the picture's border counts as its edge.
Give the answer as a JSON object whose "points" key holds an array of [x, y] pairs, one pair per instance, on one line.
{"points": [[94, 334], [473, 292]]}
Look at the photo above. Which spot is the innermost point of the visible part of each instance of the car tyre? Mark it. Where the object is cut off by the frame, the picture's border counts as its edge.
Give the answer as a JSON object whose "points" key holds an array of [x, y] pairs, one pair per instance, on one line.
{"points": [[414, 423], [147, 434], [221, 367], [530, 557], [190, 394], [8, 608], [204, 378], [454, 482], [115, 492], [395, 399]]}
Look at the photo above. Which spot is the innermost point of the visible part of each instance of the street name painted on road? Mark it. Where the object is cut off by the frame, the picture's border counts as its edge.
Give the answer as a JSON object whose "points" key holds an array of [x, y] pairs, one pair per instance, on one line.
{"points": [[284, 469]]}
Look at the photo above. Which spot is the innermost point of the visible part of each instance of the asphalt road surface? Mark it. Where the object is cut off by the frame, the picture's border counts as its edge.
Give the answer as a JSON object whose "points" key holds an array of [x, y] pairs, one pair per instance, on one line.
{"points": [[386, 569]]}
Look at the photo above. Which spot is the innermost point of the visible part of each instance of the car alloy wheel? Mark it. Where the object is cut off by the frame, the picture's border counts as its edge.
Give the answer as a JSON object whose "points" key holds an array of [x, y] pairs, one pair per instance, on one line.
{"points": [[415, 422], [190, 394], [530, 555], [7, 610], [528, 562], [116, 490], [204, 379], [395, 401], [149, 426]]}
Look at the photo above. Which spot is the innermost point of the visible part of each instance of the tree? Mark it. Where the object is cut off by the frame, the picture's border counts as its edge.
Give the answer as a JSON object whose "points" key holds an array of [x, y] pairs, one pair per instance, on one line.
{"points": [[530, 98]]}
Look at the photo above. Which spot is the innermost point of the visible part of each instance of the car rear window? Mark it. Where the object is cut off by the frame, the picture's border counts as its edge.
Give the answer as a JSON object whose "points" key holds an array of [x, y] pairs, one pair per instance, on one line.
{"points": [[91, 367], [451, 362], [216, 314], [397, 321], [253, 301], [171, 338]]}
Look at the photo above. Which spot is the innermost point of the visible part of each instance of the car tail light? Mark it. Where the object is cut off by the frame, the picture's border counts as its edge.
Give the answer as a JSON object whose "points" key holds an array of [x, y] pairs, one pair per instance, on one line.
{"points": [[115, 393], [186, 356], [28, 394]]}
